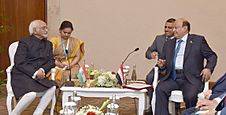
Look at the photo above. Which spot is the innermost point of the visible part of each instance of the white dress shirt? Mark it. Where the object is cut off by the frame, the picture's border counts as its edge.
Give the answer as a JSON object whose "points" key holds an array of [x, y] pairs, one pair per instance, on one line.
{"points": [[179, 62]]}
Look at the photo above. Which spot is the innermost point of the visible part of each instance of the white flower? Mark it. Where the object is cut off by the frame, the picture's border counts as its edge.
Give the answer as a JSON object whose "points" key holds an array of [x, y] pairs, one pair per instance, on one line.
{"points": [[104, 79], [101, 80], [89, 108]]}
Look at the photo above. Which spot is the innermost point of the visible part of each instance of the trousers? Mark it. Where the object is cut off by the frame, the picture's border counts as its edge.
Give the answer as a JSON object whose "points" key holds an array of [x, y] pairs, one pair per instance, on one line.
{"points": [[28, 98]]}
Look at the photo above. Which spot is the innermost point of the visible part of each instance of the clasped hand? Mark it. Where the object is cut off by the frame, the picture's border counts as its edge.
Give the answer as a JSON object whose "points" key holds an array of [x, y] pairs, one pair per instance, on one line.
{"points": [[161, 63], [205, 104], [41, 74], [63, 65]]}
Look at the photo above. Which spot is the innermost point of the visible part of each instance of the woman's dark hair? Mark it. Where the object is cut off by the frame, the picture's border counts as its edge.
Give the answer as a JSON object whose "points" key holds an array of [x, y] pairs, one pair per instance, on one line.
{"points": [[66, 24]]}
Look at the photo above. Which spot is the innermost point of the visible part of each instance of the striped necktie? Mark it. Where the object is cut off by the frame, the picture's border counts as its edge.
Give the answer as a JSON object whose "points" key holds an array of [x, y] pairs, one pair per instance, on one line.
{"points": [[175, 56]]}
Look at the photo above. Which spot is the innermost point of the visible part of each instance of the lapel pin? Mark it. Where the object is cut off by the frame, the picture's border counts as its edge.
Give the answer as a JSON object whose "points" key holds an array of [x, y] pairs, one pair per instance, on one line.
{"points": [[191, 42]]}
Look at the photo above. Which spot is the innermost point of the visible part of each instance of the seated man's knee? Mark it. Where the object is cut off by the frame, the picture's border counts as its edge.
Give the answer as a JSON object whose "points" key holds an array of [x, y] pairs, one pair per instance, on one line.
{"points": [[160, 88], [190, 98], [31, 94], [53, 88]]}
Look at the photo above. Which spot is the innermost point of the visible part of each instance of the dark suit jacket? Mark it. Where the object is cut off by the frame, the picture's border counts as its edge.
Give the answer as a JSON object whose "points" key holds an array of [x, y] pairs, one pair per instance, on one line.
{"points": [[32, 54], [157, 46], [222, 103], [220, 107], [223, 111], [196, 51], [218, 90], [219, 87]]}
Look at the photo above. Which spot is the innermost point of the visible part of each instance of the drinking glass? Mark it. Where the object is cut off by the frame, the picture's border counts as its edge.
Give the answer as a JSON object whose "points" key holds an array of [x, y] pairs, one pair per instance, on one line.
{"points": [[69, 109], [77, 101]]}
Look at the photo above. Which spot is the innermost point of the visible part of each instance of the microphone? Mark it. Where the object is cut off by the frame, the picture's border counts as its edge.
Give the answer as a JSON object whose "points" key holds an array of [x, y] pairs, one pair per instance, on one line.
{"points": [[69, 83], [129, 55]]}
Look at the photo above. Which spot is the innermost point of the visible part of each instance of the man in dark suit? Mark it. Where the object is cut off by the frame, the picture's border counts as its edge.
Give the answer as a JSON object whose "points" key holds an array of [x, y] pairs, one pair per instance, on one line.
{"points": [[33, 59], [215, 106], [211, 107], [156, 49], [182, 62], [217, 90]]}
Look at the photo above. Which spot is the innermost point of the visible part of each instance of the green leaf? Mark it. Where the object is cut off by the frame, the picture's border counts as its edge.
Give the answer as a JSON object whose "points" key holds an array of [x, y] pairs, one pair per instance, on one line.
{"points": [[104, 105]]}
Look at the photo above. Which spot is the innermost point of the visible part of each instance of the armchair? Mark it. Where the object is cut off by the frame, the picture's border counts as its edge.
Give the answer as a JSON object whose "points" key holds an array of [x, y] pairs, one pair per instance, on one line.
{"points": [[10, 95], [176, 95]]}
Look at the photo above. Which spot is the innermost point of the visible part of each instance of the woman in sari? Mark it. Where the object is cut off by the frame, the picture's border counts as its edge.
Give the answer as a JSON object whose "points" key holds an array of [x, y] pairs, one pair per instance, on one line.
{"points": [[66, 48]]}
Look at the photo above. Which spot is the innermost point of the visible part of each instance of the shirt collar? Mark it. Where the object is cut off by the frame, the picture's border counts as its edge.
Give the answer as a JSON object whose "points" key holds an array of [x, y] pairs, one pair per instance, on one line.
{"points": [[169, 38]]}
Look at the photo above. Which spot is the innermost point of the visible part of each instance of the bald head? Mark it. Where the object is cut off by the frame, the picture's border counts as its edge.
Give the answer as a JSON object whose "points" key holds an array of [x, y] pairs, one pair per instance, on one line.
{"points": [[182, 27], [38, 28], [185, 23]]}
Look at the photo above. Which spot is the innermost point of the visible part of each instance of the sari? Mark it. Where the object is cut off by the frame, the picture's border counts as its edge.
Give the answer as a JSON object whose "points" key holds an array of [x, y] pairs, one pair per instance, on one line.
{"points": [[73, 45]]}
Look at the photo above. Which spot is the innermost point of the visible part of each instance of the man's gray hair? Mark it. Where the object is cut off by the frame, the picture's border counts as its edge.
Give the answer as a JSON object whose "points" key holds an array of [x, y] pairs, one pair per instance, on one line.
{"points": [[33, 25]]}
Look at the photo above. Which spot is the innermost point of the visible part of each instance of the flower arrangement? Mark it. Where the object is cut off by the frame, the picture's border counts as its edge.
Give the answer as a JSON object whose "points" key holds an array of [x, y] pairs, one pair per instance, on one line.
{"points": [[93, 110], [103, 79], [90, 110], [106, 79]]}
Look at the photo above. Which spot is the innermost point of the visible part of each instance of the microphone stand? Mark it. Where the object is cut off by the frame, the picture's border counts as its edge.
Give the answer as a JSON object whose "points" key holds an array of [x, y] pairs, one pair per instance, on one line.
{"points": [[129, 55], [127, 58], [69, 83]]}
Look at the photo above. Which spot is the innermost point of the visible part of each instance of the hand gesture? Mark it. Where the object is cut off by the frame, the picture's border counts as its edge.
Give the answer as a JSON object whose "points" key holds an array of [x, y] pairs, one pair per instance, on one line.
{"points": [[59, 64], [161, 63], [207, 94], [154, 55], [68, 66], [206, 73], [206, 104], [40, 74]]}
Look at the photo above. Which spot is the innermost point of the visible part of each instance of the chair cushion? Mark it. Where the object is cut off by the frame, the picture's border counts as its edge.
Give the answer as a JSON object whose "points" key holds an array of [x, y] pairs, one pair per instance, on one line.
{"points": [[176, 96]]}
